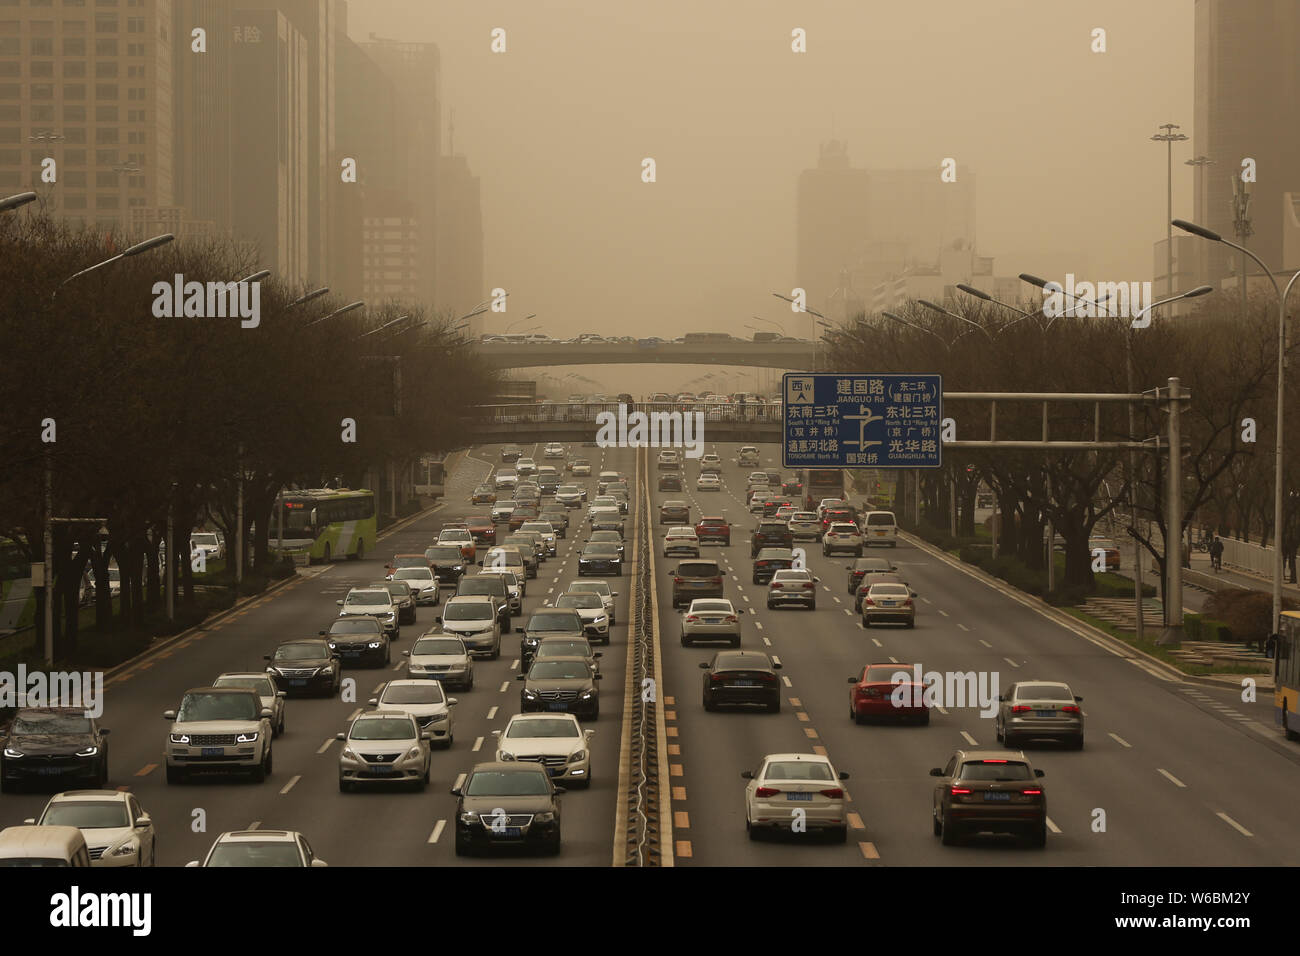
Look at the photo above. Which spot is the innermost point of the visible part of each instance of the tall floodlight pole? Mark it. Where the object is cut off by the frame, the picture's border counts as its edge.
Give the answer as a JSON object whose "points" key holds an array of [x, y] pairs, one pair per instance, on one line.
{"points": [[1242, 229], [1169, 137]]}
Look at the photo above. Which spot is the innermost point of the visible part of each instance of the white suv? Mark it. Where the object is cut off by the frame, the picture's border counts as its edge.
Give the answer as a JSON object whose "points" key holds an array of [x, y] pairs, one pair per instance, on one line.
{"points": [[371, 602], [842, 536], [219, 728]]}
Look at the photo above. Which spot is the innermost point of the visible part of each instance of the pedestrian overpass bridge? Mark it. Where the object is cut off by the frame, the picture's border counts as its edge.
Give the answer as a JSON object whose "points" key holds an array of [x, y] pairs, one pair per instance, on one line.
{"points": [[795, 356], [580, 422]]}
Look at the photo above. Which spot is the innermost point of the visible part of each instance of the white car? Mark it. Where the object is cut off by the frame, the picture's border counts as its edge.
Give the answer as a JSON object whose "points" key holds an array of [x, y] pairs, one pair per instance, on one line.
{"points": [[423, 582], [554, 450], [581, 468], [607, 478], [209, 544], [503, 509], [260, 848], [474, 619], [599, 587], [842, 536], [787, 782], [708, 482], [441, 657], [219, 728], [525, 466], [711, 463], [116, 829], [591, 608], [371, 602], [386, 747], [681, 540], [804, 525], [505, 479], [879, 527], [266, 688], [748, 455], [425, 701], [569, 495], [557, 741], [711, 619]]}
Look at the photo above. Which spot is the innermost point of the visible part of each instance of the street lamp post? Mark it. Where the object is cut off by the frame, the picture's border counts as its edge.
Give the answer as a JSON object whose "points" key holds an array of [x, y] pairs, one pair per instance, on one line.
{"points": [[1204, 233], [1169, 137]]}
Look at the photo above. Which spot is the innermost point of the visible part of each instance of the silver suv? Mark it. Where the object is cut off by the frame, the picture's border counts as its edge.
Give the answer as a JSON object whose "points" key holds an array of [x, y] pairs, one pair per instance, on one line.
{"points": [[219, 728], [372, 602]]}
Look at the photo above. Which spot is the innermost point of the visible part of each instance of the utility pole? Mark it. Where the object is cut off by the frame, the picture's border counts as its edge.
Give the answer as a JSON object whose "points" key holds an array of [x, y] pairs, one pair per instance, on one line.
{"points": [[1242, 229], [239, 524], [1169, 137], [1172, 636]]}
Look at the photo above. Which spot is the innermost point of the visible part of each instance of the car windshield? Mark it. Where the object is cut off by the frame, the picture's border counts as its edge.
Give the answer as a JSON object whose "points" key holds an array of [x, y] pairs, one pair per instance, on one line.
{"points": [[553, 622], [585, 600], [696, 569], [204, 539], [995, 770], [542, 727], [596, 587], [713, 521], [451, 555], [346, 626], [507, 783], [302, 652], [558, 670], [797, 770], [844, 528], [219, 707], [454, 535], [255, 854], [792, 575], [699, 606], [563, 649], [880, 517], [569, 490], [607, 536], [382, 728], [888, 590], [368, 598], [601, 547], [1044, 692], [893, 674], [413, 574], [99, 814], [261, 685], [469, 611], [38, 723], [437, 645], [421, 692]]}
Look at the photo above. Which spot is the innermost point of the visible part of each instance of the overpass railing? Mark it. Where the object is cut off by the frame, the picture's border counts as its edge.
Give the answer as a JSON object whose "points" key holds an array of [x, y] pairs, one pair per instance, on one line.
{"points": [[587, 411]]}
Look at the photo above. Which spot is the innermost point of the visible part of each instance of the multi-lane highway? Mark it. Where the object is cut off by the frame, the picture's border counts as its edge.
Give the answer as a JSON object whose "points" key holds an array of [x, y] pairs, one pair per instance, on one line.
{"points": [[1171, 774]]}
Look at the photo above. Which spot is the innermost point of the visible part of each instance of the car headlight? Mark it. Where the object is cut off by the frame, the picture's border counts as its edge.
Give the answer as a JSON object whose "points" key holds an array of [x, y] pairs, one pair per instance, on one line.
{"points": [[503, 755], [349, 754], [577, 755], [586, 694], [438, 718], [246, 738], [412, 753], [529, 694], [327, 669], [599, 619], [88, 751], [373, 645], [175, 738], [547, 817], [389, 616], [126, 849], [13, 754], [468, 817], [333, 646]]}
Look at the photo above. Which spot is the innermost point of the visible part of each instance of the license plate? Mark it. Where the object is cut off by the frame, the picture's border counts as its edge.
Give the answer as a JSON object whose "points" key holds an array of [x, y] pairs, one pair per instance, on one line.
{"points": [[557, 705], [880, 534], [298, 682], [1044, 713], [382, 768], [507, 832], [994, 796], [744, 683], [798, 796], [213, 751], [888, 603], [48, 771], [711, 620]]}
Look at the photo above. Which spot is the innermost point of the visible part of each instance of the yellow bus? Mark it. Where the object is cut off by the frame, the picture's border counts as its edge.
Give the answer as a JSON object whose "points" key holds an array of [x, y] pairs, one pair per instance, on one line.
{"points": [[1286, 675]]}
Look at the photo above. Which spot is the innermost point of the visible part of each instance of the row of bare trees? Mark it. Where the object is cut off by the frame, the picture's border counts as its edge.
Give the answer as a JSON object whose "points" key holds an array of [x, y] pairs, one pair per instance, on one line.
{"points": [[1226, 361], [133, 415]]}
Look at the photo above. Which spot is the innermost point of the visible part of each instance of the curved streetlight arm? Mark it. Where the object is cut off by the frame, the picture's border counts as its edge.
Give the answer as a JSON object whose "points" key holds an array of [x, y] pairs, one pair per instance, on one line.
{"points": [[1140, 323], [134, 250], [919, 328], [938, 308]]}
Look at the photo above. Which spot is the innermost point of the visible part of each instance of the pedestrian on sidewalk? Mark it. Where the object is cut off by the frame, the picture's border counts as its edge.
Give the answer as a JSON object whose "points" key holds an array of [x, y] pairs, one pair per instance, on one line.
{"points": [[1270, 645], [1216, 553]]}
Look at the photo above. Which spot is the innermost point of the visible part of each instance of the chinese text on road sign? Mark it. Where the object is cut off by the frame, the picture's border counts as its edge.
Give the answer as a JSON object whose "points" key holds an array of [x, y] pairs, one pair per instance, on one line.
{"points": [[862, 420]]}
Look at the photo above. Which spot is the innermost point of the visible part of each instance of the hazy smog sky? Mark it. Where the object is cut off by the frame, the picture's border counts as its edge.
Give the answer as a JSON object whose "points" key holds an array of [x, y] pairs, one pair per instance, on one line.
{"points": [[556, 128]]}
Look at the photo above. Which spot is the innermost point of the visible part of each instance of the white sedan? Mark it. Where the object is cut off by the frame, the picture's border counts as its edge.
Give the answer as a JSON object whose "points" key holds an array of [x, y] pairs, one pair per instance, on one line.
{"points": [[425, 701], [708, 482], [682, 540], [556, 741], [117, 830], [423, 582], [795, 792]]}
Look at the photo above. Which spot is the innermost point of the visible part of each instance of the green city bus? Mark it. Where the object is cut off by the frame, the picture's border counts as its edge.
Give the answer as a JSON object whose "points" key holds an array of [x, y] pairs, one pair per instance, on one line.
{"points": [[1286, 675], [321, 524]]}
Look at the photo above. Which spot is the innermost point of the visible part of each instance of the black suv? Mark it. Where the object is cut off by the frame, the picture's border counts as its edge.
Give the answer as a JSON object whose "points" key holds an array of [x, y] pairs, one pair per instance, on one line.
{"points": [[494, 587], [448, 562], [770, 534], [770, 561], [52, 745]]}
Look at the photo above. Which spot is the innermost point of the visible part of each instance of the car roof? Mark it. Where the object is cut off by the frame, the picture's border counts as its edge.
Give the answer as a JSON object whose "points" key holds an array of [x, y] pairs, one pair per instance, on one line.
{"points": [[102, 796], [39, 841], [262, 674], [258, 836], [470, 598], [519, 766], [1017, 755], [810, 758], [221, 690], [743, 658]]}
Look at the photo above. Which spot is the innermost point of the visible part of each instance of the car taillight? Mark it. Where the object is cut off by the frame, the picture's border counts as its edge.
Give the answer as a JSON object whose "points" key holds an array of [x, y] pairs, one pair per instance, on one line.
{"points": [[716, 580], [871, 692], [730, 619], [766, 792], [907, 603], [691, 617], [1031, 793], [960, 790], [835, 793], [1071, 709], [768, 678], [774, 584], [1021, 709], [677, 580], [718, 678], [809, 584], [867, 600]]}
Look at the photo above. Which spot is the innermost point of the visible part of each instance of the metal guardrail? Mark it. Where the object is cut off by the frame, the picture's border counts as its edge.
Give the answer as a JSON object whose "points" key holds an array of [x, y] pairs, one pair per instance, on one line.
{"points": [[587, 411]]}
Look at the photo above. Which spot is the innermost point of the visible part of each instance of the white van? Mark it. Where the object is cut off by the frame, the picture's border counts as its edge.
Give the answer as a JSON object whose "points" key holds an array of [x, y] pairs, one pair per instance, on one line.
{"points": [[879, 527], [43, 846]]}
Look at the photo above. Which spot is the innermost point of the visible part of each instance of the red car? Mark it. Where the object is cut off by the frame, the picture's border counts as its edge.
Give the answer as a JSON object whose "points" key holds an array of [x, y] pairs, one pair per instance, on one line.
{"points": [[521, 514], [886, 690], [482, 528], [713, 529], [833, 515]]}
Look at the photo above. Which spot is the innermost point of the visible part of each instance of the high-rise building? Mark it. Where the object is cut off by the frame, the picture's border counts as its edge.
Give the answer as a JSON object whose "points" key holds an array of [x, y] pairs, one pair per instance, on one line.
{"points": [[1247, 95], [832, 208], [202, 111], [88, 87], [271, 154], [460, 240]]}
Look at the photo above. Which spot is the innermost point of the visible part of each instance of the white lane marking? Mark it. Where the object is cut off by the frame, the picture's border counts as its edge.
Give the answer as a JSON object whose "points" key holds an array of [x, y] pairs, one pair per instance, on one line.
{"points": [[893, 660], [514, 664], [767, 641], [325, 746], [846, 610], [1011, 662], [1234, 824], [460, 780], [786, 680], [289, 786], [254, 825], [478, 742], [1052, 826], [835, 598], [550, 590], [876, 642], [1121, 741], [985, 643], [927, 600], [746, 597], [963, 626], [491, 714], [1172, 779], [826, 587], [437, 831], [504, 685], [969, 739], [943, 612], [758, 624]]}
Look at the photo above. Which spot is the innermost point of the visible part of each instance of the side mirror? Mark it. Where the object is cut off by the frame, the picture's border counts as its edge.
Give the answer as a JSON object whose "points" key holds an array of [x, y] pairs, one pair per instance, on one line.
{"points": [[339, 602], [496, 733], [520, 630], [914, 594], [319, 863], [776, 665], [319, 634], [373, 702], [169, 715], [192, 863], [438, 619], [588, 733], [30, 821], [282, 694], [522, 677], [597, 654], [1002, 696], [704, 665], [455, 791], [104, 731], [613, 594], [1077, 700], [1039, 773], [560, 790], [747, 775], [452, 702], [426, 736], [853, 680], [817, 580], [672, 570], [340, 736], [936, 772], [267, 657], [144, 820], [406, 653], [597, 676], [844, 775]]}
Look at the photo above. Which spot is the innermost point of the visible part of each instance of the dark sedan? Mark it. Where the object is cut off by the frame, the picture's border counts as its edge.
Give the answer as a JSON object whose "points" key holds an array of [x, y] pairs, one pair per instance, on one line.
{"points": [[564, 684], [507, 804], [861, 566], [358, 644], [448, 563], [600, 557], [674, 512], [741, 677], [53, 745], [770, 561], [309, 666]]}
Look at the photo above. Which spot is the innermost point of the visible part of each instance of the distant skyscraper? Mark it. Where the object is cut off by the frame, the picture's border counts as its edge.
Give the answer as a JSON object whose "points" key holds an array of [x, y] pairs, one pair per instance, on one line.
{"points": [[460, 240], [831, 221], [1247, 98]]}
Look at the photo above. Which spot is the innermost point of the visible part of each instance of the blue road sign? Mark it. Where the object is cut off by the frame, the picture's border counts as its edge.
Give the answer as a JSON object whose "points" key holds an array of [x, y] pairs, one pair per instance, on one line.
{"points": [[862, 420]]}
